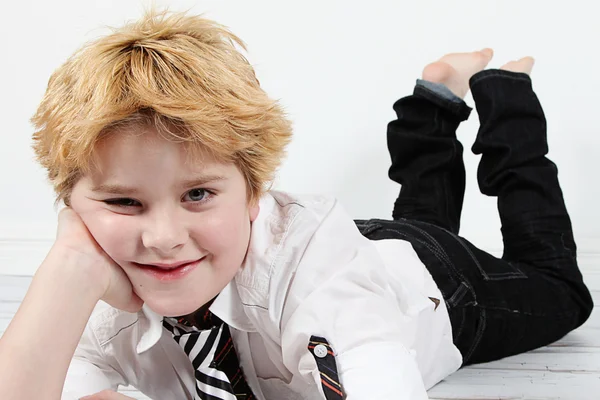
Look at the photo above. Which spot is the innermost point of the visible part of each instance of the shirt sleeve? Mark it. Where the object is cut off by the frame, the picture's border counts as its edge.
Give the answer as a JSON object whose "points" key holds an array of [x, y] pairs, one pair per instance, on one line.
{"points": [[341, 293], [90, 371]]}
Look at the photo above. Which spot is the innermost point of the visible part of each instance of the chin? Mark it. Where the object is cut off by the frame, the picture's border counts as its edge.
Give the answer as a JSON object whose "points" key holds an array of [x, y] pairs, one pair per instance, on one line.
{"points": [[172, 307]]}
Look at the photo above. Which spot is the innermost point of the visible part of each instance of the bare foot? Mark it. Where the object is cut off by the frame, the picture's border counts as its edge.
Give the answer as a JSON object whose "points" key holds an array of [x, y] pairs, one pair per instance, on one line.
{"points": [[523, 65], [455, 69]]}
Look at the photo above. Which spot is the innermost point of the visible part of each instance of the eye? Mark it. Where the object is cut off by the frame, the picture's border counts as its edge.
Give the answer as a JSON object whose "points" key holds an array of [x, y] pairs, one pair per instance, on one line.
{"points": [[122, 202], [197, 195]]}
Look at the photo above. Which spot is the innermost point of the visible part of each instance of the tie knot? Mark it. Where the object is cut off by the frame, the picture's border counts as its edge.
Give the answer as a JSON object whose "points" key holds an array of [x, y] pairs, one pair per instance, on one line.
{"points": [[204, 319], [201, 319]]}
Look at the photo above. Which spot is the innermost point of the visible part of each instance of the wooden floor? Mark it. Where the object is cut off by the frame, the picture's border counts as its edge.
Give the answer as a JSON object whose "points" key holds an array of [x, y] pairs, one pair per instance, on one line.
{"points": [[567, 369]]}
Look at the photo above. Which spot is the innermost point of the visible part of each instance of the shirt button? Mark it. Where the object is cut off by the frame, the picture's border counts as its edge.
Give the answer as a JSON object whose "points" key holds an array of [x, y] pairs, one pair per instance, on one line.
{"points": [[320, 351]]}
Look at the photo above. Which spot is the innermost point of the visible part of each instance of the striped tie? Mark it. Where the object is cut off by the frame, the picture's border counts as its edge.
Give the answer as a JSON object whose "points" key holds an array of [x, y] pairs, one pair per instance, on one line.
{"points": [[217, 369]]}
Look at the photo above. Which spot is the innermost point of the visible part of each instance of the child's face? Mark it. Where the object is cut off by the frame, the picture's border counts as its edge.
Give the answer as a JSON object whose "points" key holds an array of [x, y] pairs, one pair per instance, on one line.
{"points": [[164, 217]]}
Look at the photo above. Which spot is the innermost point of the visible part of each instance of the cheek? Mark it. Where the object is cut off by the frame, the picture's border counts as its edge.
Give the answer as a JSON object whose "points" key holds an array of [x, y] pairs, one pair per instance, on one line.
{"points": [[222, 231], [116, 234]]}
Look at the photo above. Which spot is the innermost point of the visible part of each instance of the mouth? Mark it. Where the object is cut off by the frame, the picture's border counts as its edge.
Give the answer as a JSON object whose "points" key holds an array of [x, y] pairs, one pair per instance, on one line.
{"points": [[169, 272]]}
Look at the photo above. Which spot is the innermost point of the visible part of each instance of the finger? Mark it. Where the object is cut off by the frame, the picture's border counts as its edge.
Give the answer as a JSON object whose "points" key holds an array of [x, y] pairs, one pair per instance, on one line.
{"points": [[64, 216], [121, 294]]}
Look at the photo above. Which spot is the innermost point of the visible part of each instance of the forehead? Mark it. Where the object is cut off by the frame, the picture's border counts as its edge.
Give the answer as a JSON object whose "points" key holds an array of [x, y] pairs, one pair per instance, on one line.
{"points": [[138, 146]]}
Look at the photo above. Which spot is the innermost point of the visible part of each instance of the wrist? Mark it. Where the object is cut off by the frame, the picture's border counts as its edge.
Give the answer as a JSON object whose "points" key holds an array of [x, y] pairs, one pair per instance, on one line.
{"points": [[74, 273]]}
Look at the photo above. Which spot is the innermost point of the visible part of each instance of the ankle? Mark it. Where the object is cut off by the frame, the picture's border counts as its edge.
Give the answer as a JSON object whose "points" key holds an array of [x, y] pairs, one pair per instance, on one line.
{"points": [[439, 89]]}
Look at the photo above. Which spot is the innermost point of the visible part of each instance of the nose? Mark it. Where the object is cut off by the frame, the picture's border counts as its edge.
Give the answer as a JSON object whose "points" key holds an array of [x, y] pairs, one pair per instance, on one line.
{"points": [[164, 232]]}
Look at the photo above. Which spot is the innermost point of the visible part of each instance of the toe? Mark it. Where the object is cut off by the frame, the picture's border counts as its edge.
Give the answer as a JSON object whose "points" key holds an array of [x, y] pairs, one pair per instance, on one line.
{"points": [[487, 53], [527, 63], [524, 65]]}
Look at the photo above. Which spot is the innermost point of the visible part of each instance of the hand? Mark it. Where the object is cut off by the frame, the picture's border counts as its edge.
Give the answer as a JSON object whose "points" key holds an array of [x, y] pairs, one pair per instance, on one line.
{"points": [[75, 242], [106, 395]]}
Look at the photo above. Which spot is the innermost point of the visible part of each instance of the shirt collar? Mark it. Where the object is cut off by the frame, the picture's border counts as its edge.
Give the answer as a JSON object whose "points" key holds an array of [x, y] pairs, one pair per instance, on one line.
{"points": [[150, 329]]}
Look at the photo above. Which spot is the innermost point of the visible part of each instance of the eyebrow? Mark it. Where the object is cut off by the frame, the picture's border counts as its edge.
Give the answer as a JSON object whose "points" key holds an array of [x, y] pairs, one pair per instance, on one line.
{"points": [[125, 190]]}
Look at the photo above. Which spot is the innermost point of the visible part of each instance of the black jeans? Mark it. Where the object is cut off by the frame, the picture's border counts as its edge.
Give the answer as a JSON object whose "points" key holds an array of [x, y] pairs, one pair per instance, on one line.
{"points": [[534, 294]]}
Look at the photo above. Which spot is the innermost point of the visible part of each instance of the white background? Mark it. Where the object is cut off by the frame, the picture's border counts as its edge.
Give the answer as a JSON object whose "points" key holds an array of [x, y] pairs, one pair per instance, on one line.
{"points": [[337, 67]]}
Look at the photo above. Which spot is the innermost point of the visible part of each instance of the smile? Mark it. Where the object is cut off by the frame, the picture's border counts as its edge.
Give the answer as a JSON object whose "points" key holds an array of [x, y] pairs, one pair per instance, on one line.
{"points": [[169, 272]]}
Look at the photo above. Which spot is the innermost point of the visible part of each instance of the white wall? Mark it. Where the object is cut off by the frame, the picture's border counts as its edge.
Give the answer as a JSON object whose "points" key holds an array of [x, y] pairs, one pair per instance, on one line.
{"points": [[338, 66]]}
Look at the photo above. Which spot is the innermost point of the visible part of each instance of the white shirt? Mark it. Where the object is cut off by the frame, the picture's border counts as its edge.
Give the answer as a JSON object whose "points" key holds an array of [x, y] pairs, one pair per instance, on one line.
{"points": [[308, 272]]}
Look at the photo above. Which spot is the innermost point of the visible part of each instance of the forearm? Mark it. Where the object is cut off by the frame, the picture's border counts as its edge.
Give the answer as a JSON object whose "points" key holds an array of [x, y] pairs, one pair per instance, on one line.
{"points": [[38, 345]]}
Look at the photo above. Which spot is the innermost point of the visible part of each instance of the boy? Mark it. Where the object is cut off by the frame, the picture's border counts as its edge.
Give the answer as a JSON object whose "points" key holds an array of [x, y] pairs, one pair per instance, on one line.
{"points": [[161, 142]]}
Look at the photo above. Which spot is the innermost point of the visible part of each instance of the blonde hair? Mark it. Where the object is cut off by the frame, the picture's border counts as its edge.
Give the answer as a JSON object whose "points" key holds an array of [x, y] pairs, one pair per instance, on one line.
{"points": [[182, 74]]}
